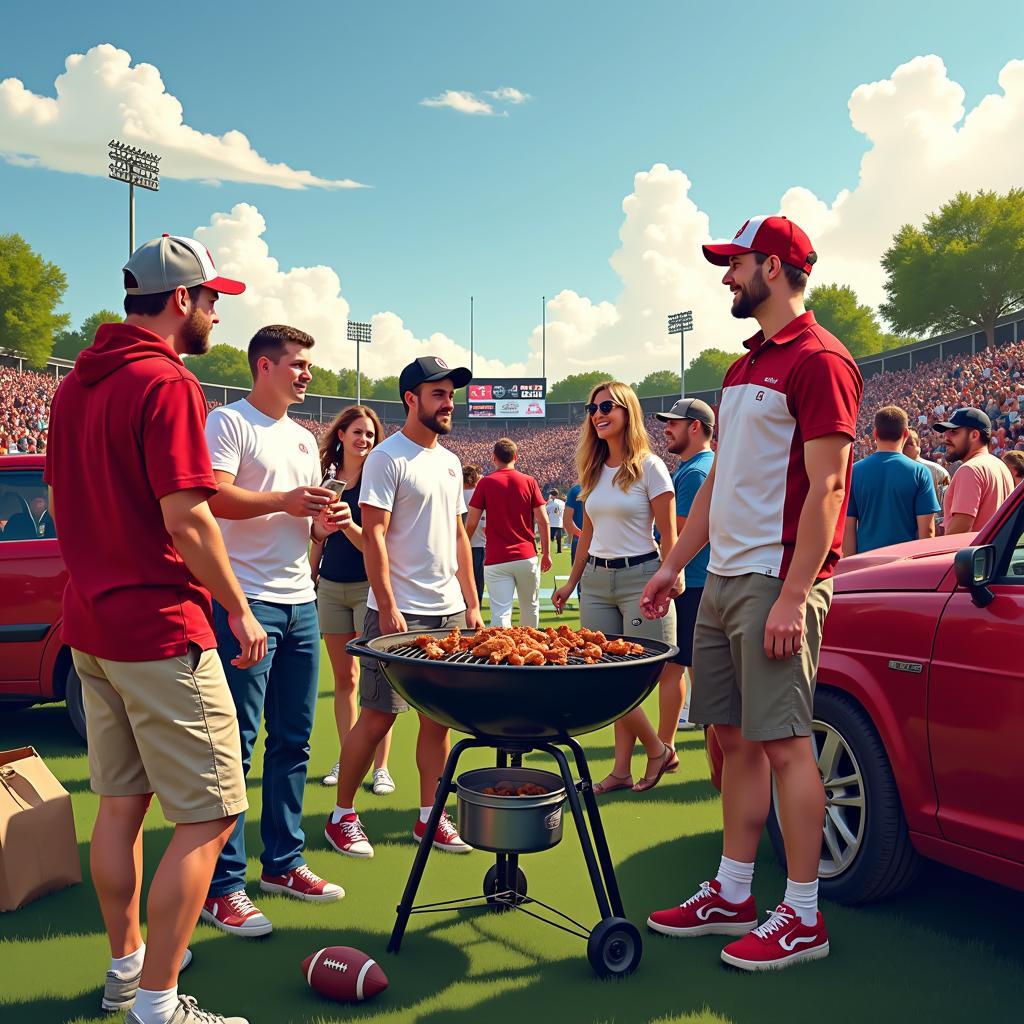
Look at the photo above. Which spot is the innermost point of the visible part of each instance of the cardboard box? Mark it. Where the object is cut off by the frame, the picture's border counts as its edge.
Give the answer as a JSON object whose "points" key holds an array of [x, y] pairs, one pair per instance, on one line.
{"points": [[38, 846]]}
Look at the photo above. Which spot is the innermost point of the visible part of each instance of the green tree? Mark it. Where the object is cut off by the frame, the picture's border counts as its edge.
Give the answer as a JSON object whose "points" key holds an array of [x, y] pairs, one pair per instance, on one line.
{"points": [[69, 343], [576, 387], [30, 291], [385, 389], [223, 364], [837, 310], [705, 373], [660, 382], [964, 268]]}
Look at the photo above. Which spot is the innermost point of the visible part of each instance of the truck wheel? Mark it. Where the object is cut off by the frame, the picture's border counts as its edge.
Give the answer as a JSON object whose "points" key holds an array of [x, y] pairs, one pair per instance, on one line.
{"points": [[75, 704], [866, 853]]}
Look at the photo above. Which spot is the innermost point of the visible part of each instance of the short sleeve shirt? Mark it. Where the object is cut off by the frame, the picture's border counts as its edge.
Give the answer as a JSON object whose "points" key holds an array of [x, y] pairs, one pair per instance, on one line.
{"points": [[574, 501], [978, 488], [688, 479], [509, 498], [422, 489], [800, 385], [887, 494], [623, 520]]}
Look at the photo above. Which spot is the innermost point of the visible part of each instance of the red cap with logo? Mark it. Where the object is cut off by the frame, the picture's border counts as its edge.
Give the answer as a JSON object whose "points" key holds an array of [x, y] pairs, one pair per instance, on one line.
{"points": [[771, 236]]}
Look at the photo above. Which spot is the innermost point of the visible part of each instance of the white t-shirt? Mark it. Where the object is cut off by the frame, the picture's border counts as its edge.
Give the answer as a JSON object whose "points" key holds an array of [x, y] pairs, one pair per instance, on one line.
{"points": [[422, 489], [478, 540], [269, 554], [623, 520], [555, 509]]}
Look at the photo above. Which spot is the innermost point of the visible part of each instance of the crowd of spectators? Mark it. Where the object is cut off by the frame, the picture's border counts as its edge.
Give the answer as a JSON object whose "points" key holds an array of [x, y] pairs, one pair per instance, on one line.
{"points": [[992, 380]]}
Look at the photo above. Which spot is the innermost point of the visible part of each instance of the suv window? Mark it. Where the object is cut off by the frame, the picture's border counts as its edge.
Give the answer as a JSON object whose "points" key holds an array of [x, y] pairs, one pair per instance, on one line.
{"points": [[24, 512]]}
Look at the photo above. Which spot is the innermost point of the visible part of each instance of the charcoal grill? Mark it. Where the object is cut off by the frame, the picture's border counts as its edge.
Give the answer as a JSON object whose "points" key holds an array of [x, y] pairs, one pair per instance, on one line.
{"points": [[517, 709]]}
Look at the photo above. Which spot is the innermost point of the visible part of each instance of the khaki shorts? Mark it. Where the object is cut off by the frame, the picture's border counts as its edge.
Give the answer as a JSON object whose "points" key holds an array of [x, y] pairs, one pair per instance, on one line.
{"points": [[734, 682], [166, 727], [341, 606]]}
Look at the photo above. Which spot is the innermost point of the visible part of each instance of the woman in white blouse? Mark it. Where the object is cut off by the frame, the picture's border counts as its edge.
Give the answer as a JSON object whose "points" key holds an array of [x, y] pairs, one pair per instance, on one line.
{"points": [[627, 490]]}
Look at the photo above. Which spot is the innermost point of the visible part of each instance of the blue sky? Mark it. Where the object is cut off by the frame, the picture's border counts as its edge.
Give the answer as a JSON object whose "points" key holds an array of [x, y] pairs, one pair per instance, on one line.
{"points": [[747, 103]]}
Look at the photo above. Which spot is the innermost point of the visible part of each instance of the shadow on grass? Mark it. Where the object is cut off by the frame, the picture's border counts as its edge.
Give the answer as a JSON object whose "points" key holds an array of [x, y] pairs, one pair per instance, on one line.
{"points": [[45, 727]]}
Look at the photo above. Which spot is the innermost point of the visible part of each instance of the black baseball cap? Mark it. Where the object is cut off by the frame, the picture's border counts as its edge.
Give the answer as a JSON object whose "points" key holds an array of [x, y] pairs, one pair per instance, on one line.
{"points": [[689, 409], [972, 419], [419, 371]]}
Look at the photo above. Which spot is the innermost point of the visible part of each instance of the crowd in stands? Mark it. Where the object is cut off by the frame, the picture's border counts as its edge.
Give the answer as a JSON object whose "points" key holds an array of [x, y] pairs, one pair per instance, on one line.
{"points": [[992, 380]]}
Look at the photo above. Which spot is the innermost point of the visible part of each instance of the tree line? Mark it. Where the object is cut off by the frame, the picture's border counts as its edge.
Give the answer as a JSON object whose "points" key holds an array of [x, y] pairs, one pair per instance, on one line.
{"points": [[960, 270]]}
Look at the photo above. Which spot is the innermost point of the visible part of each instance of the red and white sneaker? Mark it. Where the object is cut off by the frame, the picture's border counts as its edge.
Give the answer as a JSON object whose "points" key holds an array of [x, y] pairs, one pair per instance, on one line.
{"points": [[347, 836], [234, 912], [782, 940], [302, 884], [706, 913], [445, 838]]}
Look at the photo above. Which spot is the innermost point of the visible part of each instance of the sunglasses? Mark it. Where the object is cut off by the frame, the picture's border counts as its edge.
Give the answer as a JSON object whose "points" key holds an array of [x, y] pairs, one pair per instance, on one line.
{"points": [[604, 408]]}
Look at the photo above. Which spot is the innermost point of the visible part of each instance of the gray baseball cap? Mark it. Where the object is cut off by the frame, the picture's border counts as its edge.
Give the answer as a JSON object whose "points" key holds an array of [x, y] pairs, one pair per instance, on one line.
{"points": [[972, 419], [173, 261], [689, 409]]}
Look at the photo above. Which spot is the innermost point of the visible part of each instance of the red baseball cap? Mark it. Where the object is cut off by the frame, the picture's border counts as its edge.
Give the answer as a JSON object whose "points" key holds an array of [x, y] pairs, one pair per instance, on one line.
{"points": [[771, 236]]}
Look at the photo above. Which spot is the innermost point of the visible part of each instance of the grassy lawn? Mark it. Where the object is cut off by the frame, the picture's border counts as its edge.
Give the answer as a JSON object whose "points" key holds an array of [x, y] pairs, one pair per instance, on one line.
{"points": [[947, 950]]}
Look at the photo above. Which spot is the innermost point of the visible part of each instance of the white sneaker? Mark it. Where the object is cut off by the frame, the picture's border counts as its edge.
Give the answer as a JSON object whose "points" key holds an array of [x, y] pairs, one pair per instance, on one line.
{"points": [[383, 784], [331, 778]]}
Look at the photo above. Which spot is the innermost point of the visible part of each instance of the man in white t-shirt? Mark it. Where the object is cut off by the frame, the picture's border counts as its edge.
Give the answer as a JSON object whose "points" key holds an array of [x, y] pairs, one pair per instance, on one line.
{"points": [[556, 507], [421, 579], [267, 469]]}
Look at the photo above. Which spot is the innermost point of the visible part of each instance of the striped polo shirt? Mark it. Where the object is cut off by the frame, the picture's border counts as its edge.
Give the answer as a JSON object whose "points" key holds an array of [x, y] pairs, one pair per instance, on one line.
{"points": [[799, 385]]}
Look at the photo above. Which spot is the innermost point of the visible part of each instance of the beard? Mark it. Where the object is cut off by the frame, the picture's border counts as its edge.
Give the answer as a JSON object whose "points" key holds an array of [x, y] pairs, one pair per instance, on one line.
{"points": [[434, 422], [678, 447], [750, 297], [195, 334]]}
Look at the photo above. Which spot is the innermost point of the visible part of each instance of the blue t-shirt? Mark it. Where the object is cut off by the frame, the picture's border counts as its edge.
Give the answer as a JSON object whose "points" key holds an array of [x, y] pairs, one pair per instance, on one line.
{"points": [[575, 502], [688, 478], [888, 493]]}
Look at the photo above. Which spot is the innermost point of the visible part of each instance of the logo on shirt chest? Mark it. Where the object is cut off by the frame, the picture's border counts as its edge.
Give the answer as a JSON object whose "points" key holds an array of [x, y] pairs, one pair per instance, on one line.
{"points": [[451, 472], [303, 448], [771, 380]]}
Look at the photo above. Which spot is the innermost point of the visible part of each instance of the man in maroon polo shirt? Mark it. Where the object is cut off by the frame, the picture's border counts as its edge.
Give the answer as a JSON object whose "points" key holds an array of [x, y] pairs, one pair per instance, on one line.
{"points": [[513, 504], [773, 509], [129, 475]]}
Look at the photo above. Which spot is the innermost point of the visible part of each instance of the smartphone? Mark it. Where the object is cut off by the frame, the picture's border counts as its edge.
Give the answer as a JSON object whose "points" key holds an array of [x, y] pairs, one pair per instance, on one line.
{"points": [[338, 486]]}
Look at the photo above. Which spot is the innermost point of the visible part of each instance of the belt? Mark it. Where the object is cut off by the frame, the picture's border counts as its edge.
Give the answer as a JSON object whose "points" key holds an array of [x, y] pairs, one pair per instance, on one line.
{"points": [[622, 563]]}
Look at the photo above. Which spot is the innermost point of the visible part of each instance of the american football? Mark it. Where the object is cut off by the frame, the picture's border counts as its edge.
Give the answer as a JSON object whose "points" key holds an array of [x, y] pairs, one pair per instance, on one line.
{"points": [[344, 974]]}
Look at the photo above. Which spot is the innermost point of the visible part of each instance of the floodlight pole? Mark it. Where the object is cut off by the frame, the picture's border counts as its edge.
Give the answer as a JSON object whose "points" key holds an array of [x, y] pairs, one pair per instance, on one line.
{"points": [[471, 334], [361, 334], [544, 336], [133, 166], [680, 323]]}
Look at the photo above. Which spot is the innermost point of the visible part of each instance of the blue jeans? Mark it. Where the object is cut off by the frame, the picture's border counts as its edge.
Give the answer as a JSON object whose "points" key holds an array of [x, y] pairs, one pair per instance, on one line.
{"points": [[282, 688]]}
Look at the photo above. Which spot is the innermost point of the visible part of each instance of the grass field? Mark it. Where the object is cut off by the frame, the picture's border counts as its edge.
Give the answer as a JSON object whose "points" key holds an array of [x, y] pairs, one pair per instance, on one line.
{"points": [[947, 950]]}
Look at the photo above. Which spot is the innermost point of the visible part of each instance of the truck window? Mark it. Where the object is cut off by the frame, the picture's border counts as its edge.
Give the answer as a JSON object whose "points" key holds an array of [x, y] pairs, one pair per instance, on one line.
{"points": [[24, 512]]}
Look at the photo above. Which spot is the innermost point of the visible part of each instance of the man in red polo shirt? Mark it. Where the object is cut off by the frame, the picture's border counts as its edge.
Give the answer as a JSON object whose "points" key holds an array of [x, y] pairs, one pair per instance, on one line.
{"points": [[513, 503], [130, 475], [773, 509]]}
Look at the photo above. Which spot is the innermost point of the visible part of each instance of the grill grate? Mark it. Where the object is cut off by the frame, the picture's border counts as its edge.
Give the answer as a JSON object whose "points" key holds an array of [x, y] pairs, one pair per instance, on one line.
{"points": [[465, 658]]}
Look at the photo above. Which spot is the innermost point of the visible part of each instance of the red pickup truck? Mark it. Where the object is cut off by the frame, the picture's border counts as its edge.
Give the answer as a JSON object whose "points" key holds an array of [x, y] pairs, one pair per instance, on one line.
{"points": [[35, 667], [919, 712]]}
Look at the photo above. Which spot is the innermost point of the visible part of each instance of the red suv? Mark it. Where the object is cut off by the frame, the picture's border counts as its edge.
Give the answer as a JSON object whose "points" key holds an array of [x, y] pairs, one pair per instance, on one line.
{"points": [[35, 667], [919, 712]]}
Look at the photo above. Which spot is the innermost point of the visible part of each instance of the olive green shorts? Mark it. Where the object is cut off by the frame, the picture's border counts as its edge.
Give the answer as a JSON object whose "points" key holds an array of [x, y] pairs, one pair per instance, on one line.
{"points": [[734, 681], [341, 606]]}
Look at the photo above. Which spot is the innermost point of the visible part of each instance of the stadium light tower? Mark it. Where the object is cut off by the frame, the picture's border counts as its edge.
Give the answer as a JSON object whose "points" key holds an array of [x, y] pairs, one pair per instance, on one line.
{"points": [[680, 323], [134, 167], [361, 334]]}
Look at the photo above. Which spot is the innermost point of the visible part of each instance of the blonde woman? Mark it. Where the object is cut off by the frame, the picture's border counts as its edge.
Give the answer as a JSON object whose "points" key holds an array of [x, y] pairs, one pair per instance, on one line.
{"points": [[342, 585], [627, 490]]}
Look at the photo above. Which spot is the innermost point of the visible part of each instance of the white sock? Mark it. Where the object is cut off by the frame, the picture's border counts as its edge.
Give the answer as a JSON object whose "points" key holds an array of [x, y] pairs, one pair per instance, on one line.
{"points": [[339, 812], [803, 898], [155, 1007], [735, 877], [129, 966], [425, 814]]}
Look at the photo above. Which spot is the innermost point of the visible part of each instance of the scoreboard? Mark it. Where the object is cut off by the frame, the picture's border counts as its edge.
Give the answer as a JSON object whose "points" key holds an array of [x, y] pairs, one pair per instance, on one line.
{"points": [[507, 398]]}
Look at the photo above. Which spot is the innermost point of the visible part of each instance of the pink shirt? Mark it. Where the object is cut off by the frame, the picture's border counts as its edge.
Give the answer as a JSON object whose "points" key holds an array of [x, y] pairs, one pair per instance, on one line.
{"points": [[978, 488]]}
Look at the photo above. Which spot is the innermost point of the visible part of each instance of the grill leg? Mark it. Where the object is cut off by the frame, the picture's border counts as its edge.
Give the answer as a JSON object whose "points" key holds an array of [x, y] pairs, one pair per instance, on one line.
{"points": [[597, 879], [444, 787], [600, 841]]}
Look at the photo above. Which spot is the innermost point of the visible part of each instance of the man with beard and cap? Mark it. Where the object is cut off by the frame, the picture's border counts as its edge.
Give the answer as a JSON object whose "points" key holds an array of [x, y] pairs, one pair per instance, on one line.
{"points": [[420, 567], [689, 427], [982, 483], [130, 481], [772, 508]]}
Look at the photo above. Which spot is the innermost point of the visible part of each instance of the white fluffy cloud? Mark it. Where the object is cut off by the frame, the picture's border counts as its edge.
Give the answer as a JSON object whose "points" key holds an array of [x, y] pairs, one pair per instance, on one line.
{"points": [[923, 148], [470, 103], [102, 96], [506, 94]]}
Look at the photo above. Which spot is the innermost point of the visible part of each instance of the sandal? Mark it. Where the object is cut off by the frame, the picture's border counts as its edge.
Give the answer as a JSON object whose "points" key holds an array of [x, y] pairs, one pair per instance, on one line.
{"points": [[601, 788], [668, 757], [673, 764]]}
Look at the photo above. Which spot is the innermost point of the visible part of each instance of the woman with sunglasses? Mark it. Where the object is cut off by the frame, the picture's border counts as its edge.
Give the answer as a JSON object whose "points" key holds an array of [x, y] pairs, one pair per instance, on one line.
{"points": [[627, 490]]}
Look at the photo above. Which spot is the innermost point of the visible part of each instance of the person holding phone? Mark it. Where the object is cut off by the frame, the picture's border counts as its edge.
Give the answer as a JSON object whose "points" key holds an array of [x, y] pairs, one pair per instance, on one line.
{"points": [[627, 489], [340, 573]]}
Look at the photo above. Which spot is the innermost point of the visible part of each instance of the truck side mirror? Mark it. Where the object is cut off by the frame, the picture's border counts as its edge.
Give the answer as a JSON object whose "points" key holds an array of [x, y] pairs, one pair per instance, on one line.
{"points": [[975, 569]]}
